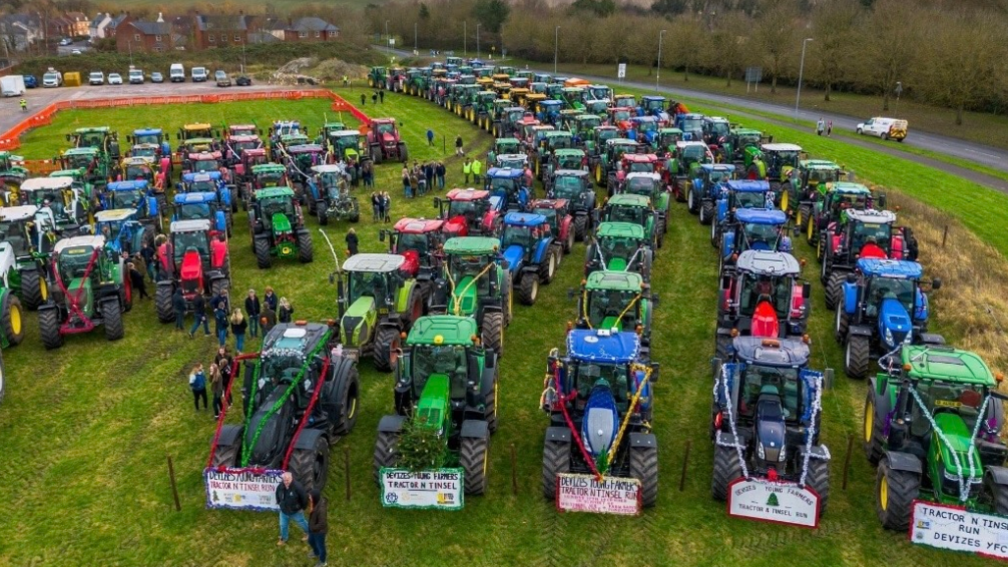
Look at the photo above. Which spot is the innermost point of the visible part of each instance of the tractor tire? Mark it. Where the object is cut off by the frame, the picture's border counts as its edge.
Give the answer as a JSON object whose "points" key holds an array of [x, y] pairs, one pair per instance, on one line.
{"points": [[998, 492], [492, 331], [305, 252], [820, 249], [386, 343], [386, 453], [111, 313], [818, 480], [218, 286], [548, 266], [611, 184], [3, 376], [660, 236], [491, 407], [895, 492], [34, 289], [348, 401], [225, 456], [692, 204], [856, 357], [727, 469], [568, 243], [644, 467], [262, 253], [556, 460], [706, 212], [810, 232], [840, 326], [320, 212], [49, 327], [474, 458], [376, 155], [723, 348], [310, 467], [528, 289], [581, 228], [13, 318], [803, 214], [163, 303], [403, 152], [834, 290], [871, 440]]}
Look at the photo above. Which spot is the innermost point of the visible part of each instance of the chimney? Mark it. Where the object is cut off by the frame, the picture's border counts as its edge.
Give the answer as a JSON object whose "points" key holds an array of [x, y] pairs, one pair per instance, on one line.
{"points": [[160, 17]]}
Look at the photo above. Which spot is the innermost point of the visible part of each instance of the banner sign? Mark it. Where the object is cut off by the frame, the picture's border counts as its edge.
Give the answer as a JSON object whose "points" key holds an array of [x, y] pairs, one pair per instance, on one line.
{"points": [[621, 71], [583, 493], [242, 489], [779, 502], [952, 527], [439, 489]]}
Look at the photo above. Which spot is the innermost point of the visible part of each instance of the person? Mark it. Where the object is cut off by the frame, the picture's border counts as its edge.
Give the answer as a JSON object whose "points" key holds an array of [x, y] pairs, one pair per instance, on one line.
{"points": [[428, 171], [222, 297], [351, 242], [225, 362], [318, 525], [217, 388], [430, 137], [414, 180], [137, 281], [387, 206], [374, 206], [363, 99], [254, 310], [440, 171], [820, 126], [24, 105], [291, 497], [467, 169], [238, 326], [477, 167], [221, 320], [270, 298], [406, 181], [149, 255], [199, 316], [374, 98], [367, 172], [285, 312], [421, 184], [346, 81], [179, 305], [381, 94], [829, 128], [458, 144], [197, 383]]}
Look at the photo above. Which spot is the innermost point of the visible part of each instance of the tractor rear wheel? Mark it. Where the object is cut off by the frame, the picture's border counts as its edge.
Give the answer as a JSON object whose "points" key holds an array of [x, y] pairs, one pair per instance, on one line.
{"points": [[225, 456], [895, 492], [998, 493], [111, 313], [474, 457], [871, 440], [348, 401], [803, 214], [581, 228], [219, 285], [320, 212], [820, 249], [692, 202], [163, 303], [548, 266], [706, 212], [403, 152], [528, 289], [809, 228], [818, 480], [834, 290], [304, 242], [840, 326], [644, 467], [13, 318], [556, 460], [727, 468], [492, 331], [856, 357], [34, 289], [386, 453], [261, 248], [386, 344], [49, 325], [568, 243], [310, 467]]}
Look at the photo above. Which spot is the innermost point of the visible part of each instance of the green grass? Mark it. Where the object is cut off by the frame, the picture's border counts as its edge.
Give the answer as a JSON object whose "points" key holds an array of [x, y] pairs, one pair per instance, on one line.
{"points": [[86, 439]]}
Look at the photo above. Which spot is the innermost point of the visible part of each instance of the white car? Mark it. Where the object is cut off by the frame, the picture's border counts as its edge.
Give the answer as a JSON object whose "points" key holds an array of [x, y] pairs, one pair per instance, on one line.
{"points": [[115, 79], [65, 41], [96, 78], [75, 52]]}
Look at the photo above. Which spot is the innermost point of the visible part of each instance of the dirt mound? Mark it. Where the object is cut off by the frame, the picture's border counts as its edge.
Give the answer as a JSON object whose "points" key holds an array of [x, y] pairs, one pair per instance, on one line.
{"points": [[296, 66], [335, 69]]}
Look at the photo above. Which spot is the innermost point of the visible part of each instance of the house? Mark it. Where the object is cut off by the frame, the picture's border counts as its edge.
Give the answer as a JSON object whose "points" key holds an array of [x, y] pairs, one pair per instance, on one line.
{"points": [[220, 30], [118, 20], [263, 37], [78, 23], [310, 29], [96, 29], [139, 35], [20, 31]]}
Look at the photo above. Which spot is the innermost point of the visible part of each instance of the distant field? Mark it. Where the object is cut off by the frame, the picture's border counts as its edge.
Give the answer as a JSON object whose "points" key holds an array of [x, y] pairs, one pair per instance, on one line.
{"points": [[254, 5]]}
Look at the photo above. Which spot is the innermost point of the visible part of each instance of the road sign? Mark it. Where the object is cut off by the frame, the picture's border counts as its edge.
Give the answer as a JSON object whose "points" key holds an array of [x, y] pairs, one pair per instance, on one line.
{"points": [[621, 71], [899, 88], [391, 41]]}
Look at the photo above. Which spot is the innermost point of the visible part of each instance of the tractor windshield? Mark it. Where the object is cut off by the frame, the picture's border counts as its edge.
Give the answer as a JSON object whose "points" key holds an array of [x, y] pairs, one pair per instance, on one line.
{"points": [[567, 188], [330, 179], [654, 104], [240, 147], [880, 289], [963, 400], [569, 162], [748, 140], [202, 187], [269, 179], [780, 159], [692, 153], [138, 171], [90, 140], [640, 186], [748, 200], [520, 235], [642, 167], [613, 247], [719, 130], [718, 175], [627, 214], [448, 360], [125, 199], [149, 151], [549, 212], [822, 175], [273, 205], [80, 162], [280, 368], [412, 241], [760, 288], [73, 263], [647, 126], [878, 234], [586, 375], [612, 308], [471, 210], [205, 165], [369, 284], [769, 381], [503, 184], [147, 139], [192, 211], [857, 201], [603, 135], [668, 140], [385, 128], [761, 236], [621, 115], [691, 124], [185, 241], [13, 233]]}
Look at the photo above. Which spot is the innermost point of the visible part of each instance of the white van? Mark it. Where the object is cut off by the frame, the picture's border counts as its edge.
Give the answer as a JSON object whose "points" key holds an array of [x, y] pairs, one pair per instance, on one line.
{"points": [[52, 78], [176, 73], [884, 128], [199, 74], [136, 76]]}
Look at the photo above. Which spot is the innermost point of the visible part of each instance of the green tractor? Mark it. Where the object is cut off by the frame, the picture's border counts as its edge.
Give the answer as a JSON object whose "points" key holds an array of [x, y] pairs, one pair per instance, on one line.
{"points": [[476, 286], [931, 424], [502, 147], [619, 247], [617, 301], [12, 172], [446, 381], [482, 109], [90, 160], [808, 181], [377, 76], [739, 143], [551, 141], [609, 160], [376, 304], [28, 238], [829, 205], [636, 209], [92, 288], [102, 138], [278, 227]]}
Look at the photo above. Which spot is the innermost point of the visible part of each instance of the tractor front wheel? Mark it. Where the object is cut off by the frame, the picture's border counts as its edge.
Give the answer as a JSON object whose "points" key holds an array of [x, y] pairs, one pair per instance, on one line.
{"points": [[727, 468], [556, 461], [692, 204], [474, 457], [305, 252], [803, 214], [528, 289], [225, 455], [49, 325], [112, 319], [895, 492], [706, 212], [834, 290], [403, 152], [644, 467], [310, 467], [218, 286], [163, 303], [386, 453], [13, 318], [581, 228], [348, 400], [262, 253], [34, 289], [872, 441], [320, 212], [492, 331], [818, 480], [856, 357], [998, 493], [386, 345], [568, 243], [840, 326], [548, 266]]}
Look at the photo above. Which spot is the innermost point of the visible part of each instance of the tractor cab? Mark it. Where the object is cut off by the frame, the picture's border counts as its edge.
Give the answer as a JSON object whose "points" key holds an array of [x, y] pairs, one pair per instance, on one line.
{"points": [[200, 206], [377, 76], [88, 160], [742, 194], [237, 145], [650, 185], [301, 159], [419, 242], [199, 258], [330, 193], [197, 131], [524, 128], [575, 186], [638, 163], [558, 216], [644, 129], [583, 125], [134, 195], [652, 105], [598, 92], [864, 234], [529, 254], [831, 205], [753, 229], [509, 186], [234, 130], [67, 203], [26, 231], [470, 212], [762, 296], [620, 118], [137, 168], [624, 100], [548, 111], [687, 158], [596, 139], [716, 131], [148, 138], [636, 209], [780, 159], [619, 247], [87, 278], [372, 304], [617, 301], [691, 125], [706, 187], [281, 128], [503, 146], [203, 162], [808, 182], [123, 233], [741, 142], [269, 175], [608, 163], [102, 139], [567, 159], [597, 107], [211, 181], [477, 286], [12, 171], [151, 152]]}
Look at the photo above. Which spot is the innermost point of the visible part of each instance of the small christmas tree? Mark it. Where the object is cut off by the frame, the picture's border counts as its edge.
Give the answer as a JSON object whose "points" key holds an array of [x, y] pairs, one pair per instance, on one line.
{"points": [[421, 447]]}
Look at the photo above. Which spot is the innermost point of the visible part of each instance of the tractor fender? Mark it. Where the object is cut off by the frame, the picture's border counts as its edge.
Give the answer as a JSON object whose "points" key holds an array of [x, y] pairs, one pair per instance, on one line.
{"points": [[405, 296], [565, 226], [541, 250], [306, 440], [727, 244], [558, 435], [230, 435], [218, 252], [391, 424], [722, 209], [152, 206], [850, 296], [488, 379], [725, 439], [220, 221], [475, 429], [998, 474], [643, 440], [904, 462], [47, 306], [339, 371], [820, 452], [859, 331]]}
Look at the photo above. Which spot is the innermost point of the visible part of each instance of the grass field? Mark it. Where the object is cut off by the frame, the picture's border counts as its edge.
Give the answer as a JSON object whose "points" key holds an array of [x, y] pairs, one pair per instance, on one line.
{"points": [[86, 439]]}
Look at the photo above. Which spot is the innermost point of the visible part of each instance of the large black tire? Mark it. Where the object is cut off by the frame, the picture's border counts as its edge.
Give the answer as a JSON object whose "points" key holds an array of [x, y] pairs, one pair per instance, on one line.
{"points": [[386, 344], [818, 480], [349, 402], [556, 460], [644, 467], [163, 303], [474, 458], [840, 326], [998, 492], [568, 243], [403, 152], [528, 288], [320, 212], [305, 251], [834, 290], [34, 289], [225, 455], [727, 468], [13, 318], [218, 286], [491, 406], [871, 439], [49, 326], [580, 227], [261, 248], [492, 331], [376, 155], [112, 319], [386, 453], [895, 492], [857, 355], [692, 201], [706, 212], [548, 266], [803, 214], [310, 467]]}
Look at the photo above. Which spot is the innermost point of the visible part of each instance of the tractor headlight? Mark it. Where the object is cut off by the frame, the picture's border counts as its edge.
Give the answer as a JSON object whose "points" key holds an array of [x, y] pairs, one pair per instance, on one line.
{"points": [[909, 337], [759, 451], [889, 338], [783, 453]]}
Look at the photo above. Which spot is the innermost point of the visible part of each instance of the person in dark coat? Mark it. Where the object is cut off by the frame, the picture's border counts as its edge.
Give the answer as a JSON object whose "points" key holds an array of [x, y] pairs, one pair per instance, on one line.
{"points": [[179, 305], [381, 95], [439, 170], [351, 242], [221, 320], [291, 498], [270, 298], [137, 281], [149, 255], [318, 525], [363, 99], [458, 145], [285, 312], [199, 316], [254, 310]]}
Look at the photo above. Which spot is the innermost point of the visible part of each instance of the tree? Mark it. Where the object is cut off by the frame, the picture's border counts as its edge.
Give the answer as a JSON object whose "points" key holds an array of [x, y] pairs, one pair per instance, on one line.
{"points": [[492, 14], [729, 49], [887, 44], [687, 37], [424, 11], [600, 8], [775, 36], [833, 25], [670, 7]]}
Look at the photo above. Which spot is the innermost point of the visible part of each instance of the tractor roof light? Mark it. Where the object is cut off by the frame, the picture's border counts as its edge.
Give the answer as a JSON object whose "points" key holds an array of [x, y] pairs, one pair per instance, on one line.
{"points": [[806, 339], [907, 367], [772, 343], [570, 325], [402, 335], [300, 322]]}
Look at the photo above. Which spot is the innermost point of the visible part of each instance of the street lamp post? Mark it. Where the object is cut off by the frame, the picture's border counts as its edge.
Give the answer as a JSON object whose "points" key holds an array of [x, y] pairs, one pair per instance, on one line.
{"points": [[129, 45], [465, 38], [801, 70], [658, 68], [386, 34], [414, 37], [556, 48], [477, 40]]}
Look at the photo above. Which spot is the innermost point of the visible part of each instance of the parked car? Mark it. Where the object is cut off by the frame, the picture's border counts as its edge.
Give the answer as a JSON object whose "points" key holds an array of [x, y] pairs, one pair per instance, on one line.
{"points": [[75, 52], [884, 128], [96, 78], [30, 82], [65, 41], [199, 74], [222, 79], [136, 76], [52, 78], [156, 77], [115, 79], [243, 81]]}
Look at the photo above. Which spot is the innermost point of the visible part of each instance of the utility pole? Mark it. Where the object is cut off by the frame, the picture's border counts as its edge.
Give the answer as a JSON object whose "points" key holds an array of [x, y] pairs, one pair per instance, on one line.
{"points": [[465, 38], [661, 34], [556, 48], [477, 40], [386, 34], [801, 70], [414, 37]]}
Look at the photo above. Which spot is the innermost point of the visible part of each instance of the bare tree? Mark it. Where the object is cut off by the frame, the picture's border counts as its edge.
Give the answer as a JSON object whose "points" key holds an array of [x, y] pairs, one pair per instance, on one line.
{"points": [[776, 35], [728, 50], [887, 43], [686, 38], [833, 27]]}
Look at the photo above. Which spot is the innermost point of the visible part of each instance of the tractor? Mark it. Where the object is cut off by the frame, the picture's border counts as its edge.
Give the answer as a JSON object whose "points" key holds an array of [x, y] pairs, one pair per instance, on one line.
{"points": [[551, 142], [135, 195], [618, 301], [565, 159], [763, 296], [280, 144], [651, 186], [778, 160], [633, 163], [236, 146], [861, 234], [620, 118], [383, 141], [706, 187], [734, 195], [477, 285], [507, 120], [244, 176], [481, 109], [529, 254], [68, 204], [97, 168], [124, 234], [932, 424], [263, 176], [502, 146], [575, 186], [281, 128], [716, 131], [11, 314], [635, 209], [194, 259], [377, 77], [12, 171], [752, 229], [545, 110], [101, 138], [202, 206], [828, 207], [377, 302], [299, 160], [211, 182], [470, 212], [92, 288], [561, 222], [300, 399], [599, 399], [691, 125], [508, 185], [328, 191], [348, 145], [203, 162], [446, 381], [609, 161], [194, 134], [739, 143], [137, 168], [808, 180], [644, 130], [766, 418], [651, 105], [685, 164], [28, 237], [582, 126], [419, 241], [884, 306], [278, 227], [619, 247]]}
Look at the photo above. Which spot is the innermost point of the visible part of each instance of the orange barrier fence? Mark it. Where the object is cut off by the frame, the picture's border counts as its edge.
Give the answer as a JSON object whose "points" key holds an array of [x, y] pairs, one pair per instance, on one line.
{"points": [[41, 166]]}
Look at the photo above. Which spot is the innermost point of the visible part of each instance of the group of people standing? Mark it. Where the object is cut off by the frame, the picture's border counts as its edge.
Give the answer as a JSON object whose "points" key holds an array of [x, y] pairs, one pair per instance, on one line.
{"points": [[381, 206], [420, 179]]}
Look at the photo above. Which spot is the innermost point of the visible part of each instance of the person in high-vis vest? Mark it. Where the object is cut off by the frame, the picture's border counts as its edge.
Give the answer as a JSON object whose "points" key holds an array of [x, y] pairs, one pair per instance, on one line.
{"points": [[477, 168], [467, 170]]}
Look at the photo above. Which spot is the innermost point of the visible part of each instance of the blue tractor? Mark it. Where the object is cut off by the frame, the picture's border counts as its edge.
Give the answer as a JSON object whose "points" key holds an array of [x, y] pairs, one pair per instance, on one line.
{"points": [[884, 307], [753, 229], [209, 182], [202, 205], [656, 106], [691, 125], [705, 188], [530, 253], [155, 136], [123, 233], [599, 399], [737, 194], [644, 130], [509, 186], [548, 111], [136, 195]]}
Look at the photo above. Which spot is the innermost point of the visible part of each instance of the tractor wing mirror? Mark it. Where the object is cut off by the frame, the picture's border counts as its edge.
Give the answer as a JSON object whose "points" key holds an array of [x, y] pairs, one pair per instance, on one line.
{"points": [[655, 371], [437, 202], [936, 283], [68, 137], [381, 235], [806, 290], [882, 200], [332, 278]]}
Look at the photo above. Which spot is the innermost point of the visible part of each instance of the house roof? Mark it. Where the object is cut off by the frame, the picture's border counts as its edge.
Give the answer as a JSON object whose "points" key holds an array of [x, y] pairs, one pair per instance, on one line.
{"points": [[77, 16], [100, 19], [312, 24], [152, 28], [218, 22], [262, 37], [116, 20]]}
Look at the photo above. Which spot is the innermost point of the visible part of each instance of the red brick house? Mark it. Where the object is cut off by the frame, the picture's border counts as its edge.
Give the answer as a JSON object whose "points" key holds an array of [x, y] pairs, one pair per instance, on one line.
{"points": [[137, 35], [216, 30], [310, 29]]}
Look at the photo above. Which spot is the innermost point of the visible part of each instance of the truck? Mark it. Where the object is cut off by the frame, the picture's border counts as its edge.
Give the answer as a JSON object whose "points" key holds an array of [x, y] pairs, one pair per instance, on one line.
{"points": [[52, 79], [176, 73], [12, 85]]}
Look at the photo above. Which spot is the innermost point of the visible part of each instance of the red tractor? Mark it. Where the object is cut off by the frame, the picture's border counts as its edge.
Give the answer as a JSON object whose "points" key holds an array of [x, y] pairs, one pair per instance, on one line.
{"points": [[194, 260], [384, 142], [557, 213], [620, 118], [420, 242], [470, 212], [636, 163]]}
